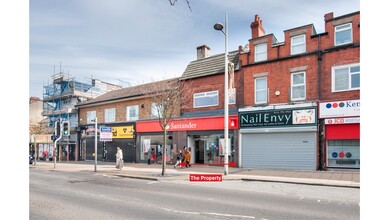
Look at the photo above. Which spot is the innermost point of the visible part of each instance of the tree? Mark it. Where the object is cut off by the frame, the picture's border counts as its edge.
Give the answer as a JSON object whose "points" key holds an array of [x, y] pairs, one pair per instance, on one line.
{"points": [[167, 96]]}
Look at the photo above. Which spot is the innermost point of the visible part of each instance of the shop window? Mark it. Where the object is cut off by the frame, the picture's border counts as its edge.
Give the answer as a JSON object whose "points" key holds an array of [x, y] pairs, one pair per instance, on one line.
{"points": [[343, 34], [343, 153], [298, 86], [346, 78], [260, 52], [155, 142], [298, 44]]}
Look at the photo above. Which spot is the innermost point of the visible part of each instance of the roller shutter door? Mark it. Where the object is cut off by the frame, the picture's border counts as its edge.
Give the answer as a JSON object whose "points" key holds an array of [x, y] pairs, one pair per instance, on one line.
{"points": [[279, 150]]}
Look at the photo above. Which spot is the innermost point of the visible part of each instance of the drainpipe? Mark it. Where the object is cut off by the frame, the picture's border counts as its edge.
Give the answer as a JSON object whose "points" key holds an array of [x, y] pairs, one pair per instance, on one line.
{"points": [[321, 122]]}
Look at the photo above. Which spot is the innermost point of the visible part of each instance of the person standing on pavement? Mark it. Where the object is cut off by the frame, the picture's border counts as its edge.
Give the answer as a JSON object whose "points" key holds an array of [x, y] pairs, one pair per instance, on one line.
{"points": [[187, 158], [119, 158], [179, 157], [149, 154], [184, 151]]}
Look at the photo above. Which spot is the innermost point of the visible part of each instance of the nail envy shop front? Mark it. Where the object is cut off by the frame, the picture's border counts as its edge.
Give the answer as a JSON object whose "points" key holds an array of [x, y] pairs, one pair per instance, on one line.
{"points": [[204, 136], [279, 137], [342, 133]]}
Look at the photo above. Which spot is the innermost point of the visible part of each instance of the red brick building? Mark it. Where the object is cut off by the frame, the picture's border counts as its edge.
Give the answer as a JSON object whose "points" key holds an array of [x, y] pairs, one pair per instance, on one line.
{"points": [[284, 83]]}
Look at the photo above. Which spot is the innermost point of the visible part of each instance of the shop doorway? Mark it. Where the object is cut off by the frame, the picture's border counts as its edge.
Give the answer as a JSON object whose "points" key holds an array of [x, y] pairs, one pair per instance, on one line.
{"points": [[199, 151]]}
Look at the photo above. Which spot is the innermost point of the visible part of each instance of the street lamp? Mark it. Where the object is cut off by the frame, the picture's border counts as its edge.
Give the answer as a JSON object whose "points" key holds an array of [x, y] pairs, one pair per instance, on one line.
{"points": [[219, 27], [96, 144]]}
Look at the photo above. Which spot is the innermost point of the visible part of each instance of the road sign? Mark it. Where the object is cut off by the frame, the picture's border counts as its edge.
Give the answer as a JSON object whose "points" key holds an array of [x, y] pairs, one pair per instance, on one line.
{"points": [[105, 134]]}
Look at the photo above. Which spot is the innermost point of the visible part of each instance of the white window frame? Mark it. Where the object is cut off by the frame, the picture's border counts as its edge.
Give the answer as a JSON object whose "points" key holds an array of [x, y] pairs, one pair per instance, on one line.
{"points": [[90, 117], [294, 45], [349, 77], [128, 113], [343, 29], [298, 85], [261, 52], [110, 115], [154, 110], [256, 89], [206, 94]]}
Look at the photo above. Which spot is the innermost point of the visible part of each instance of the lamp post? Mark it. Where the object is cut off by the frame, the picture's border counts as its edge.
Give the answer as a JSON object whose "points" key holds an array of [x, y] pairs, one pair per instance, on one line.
{"points": [[96, 144], [219, 27]]}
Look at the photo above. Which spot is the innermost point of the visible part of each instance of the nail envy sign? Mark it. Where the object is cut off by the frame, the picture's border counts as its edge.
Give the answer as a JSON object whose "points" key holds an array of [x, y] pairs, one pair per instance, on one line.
{"points": [[280, 117]]}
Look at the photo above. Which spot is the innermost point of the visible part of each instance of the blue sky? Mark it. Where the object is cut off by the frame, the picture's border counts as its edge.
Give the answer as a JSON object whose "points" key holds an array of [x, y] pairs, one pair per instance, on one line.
{"points": [[134, 42]]}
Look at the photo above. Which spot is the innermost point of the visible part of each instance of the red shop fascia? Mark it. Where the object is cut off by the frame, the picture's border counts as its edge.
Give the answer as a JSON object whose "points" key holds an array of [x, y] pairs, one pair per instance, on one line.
{"points": [[189, 124]]}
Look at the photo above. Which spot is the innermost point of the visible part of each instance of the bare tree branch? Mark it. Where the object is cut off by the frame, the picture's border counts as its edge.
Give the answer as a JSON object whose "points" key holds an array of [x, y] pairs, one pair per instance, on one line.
{"points": [[173, 2], [167, 96]]}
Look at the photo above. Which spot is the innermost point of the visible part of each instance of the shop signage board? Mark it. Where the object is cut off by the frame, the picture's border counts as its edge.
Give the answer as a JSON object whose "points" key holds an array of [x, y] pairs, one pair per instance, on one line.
{"points": [[279, 117], [353, 120], [189, 124], [347, 108], [105, 134], [123, 131]]}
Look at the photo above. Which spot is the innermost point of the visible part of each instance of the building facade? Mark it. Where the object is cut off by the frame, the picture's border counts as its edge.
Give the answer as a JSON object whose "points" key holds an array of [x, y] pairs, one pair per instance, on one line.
{"points": [[59, 100], [292, 104], [122, 110], [284, 83]]}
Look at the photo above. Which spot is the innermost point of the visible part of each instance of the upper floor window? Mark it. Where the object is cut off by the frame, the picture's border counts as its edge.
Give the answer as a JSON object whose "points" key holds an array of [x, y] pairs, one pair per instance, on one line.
{"points": [[343, 34], [298, 86], [90, 117], [132, 113], [345, 78], [206, 99], [260, 90], [109, 115], [298, 44], [260, 52], [156, 110]]}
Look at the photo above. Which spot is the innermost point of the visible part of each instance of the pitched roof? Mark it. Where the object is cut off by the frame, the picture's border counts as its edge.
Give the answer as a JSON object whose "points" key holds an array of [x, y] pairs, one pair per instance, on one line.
{"points": [[209, 65], [129, 92]]}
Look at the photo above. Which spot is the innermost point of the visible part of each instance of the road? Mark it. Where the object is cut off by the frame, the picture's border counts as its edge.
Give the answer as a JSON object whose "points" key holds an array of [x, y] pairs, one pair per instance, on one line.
{"points": [[89, 195]]}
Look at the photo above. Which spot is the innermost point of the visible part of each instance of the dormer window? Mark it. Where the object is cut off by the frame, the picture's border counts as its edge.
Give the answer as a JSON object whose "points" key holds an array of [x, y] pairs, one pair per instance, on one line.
{"points": [[298, 44], [260, 52], [343, 34]]}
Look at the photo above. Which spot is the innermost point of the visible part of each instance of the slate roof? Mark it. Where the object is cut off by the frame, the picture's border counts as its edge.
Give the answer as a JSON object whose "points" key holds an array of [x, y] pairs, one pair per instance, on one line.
{"points": [[125, 93], [210, 65]]}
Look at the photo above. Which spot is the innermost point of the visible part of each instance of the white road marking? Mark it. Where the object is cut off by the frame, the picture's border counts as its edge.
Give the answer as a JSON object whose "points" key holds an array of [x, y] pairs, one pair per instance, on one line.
{"points": [[209, 213], [152, 182], [229, 215]]}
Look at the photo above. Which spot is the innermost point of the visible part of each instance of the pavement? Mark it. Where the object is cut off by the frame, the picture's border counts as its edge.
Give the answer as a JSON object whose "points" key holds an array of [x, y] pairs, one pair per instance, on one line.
{"points": [[334, 178]]}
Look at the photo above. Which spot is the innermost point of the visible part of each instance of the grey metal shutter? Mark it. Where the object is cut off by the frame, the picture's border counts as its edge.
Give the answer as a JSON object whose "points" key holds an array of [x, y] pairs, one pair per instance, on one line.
{"points": [[289, 150]]}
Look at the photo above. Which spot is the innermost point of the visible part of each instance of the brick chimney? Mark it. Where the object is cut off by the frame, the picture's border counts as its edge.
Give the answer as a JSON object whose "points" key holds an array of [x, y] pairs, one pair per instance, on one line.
{"points": [[257, 29], [203, 52], [328, 16]]}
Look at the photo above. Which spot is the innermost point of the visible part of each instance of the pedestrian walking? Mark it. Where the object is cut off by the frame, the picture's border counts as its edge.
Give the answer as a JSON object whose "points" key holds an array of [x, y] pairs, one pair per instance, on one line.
{"points": [[149, 154], [184, 151], [179, 159], [119, 158], [187, 158]]}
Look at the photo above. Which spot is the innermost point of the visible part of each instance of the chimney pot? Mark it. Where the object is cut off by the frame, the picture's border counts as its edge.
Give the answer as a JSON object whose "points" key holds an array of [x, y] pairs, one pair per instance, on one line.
{"points": [[257, 29]]}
